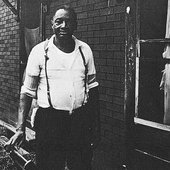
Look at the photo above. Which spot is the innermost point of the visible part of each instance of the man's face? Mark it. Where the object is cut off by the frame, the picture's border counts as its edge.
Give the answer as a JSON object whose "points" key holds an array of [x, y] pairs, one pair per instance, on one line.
{"points": [[63, 24]]}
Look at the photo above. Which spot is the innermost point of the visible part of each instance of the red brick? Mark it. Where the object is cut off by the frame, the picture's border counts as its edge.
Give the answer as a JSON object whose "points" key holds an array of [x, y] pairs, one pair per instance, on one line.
{"points": [[119, 24], [101, 19], [100, 5], [93, 40], [114, 47], [87, 34], [106, 40], [93, 27], [10, 61], [99, 47], [82, 15], [119, 9], [83, 28], [106, 11], [119, 40], [100, 33]]}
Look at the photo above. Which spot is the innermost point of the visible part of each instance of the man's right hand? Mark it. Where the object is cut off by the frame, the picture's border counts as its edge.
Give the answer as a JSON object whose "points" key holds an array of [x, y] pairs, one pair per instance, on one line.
{"points": [[17, 139]]}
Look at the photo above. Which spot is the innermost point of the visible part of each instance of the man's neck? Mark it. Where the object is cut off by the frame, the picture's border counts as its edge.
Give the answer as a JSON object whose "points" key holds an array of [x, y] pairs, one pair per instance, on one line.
{"points": [[65, 45]]}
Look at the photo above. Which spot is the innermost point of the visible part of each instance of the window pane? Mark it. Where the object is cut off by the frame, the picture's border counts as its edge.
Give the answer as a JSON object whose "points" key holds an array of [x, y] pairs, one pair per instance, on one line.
{"points": [[153, 14], [151, 64]]}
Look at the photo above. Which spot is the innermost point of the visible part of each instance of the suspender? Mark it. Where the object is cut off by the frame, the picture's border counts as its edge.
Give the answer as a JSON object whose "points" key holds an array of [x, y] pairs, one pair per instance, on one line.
{"points": [[46, 59], [86, 70]]}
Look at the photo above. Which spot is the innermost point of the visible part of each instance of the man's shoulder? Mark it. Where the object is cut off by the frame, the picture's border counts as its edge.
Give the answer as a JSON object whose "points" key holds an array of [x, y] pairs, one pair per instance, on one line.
{"points": [[40, 46], [86, 49], [38, 51], [45, 44], [82, 43]]}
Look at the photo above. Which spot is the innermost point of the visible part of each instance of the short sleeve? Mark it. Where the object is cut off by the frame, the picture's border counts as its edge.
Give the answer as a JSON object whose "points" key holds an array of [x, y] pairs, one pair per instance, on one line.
{"points": [[33, 64], [32, 72], [91, 68]]}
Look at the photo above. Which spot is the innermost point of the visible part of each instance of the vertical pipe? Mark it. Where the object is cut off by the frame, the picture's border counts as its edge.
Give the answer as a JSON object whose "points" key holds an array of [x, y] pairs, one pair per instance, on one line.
{"points": [[137, 57], [19, 6], [126, 85], [42, 21], [41, 18], [129, 95]]}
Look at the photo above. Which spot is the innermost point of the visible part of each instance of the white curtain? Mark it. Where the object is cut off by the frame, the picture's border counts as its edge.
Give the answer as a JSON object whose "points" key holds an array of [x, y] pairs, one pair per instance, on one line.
{"points": [[32, 37], [165, 83]]}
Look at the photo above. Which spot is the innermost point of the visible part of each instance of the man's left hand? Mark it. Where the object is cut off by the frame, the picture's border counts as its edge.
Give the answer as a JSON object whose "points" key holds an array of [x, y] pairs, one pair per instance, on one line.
{"points": [[96, 134]]}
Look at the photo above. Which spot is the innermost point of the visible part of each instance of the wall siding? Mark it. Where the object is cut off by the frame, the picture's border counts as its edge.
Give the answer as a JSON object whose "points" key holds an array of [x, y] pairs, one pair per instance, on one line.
{"points": [[9, 64]]}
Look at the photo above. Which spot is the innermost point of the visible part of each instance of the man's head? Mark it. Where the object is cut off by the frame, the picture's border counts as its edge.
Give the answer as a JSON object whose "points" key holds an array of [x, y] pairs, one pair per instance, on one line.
{"points": [[64, 22]]}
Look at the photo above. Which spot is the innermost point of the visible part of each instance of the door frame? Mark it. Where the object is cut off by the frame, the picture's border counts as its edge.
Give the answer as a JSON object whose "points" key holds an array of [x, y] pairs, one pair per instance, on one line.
{"points": [[132, 122]]}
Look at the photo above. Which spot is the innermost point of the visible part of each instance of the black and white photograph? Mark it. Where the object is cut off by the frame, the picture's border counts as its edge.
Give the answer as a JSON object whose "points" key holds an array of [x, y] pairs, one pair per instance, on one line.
{"points": [[84, 84]]}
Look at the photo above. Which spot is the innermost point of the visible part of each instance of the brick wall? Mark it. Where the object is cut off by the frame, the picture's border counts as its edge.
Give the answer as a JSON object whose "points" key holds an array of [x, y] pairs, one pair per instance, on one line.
{"points": [[101, 24], [9, 63]]}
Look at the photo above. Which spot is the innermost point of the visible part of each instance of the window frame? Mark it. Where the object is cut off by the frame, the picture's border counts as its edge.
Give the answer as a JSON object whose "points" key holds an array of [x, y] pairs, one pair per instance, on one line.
{"points": [[139, 41]]}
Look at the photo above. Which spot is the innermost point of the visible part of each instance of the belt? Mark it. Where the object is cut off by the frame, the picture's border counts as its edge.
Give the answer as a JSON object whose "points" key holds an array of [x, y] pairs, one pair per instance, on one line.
{"points": [[79, 109], [65, 111]]}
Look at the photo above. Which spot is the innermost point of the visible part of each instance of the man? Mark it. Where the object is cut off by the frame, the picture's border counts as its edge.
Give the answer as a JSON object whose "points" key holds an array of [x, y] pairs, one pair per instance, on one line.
{"points": [[62, 74]]}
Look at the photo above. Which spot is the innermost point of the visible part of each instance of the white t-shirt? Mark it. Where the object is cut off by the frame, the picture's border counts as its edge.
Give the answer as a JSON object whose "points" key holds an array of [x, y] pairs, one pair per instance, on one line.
{"points": [[66, 74]]}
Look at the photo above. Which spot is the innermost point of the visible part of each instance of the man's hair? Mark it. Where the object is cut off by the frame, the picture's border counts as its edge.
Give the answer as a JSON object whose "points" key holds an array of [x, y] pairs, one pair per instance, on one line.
{"points": [[68, 9]]}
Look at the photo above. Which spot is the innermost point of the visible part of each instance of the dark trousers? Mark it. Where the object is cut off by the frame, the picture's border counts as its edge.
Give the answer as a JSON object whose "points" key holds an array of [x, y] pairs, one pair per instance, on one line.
{"points": [[62, 138]]}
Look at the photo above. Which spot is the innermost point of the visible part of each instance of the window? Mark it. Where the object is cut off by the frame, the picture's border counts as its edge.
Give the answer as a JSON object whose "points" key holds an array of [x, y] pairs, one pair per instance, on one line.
{"points": [[151, 42]]}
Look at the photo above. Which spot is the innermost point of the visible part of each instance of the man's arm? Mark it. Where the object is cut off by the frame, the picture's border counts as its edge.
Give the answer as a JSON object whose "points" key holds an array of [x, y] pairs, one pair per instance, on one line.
{"points": [[23, 111], [95, 115], [28, 91], [94, 100], [24, 107]]}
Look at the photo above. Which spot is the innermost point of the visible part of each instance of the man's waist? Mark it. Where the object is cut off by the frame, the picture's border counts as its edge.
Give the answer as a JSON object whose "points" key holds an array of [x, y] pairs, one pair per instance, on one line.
{"points": [[76, 110]]}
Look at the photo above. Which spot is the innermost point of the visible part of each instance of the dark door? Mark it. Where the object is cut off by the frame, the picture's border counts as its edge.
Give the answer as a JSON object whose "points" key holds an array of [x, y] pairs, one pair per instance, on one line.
{"points": [[148, 134]]}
